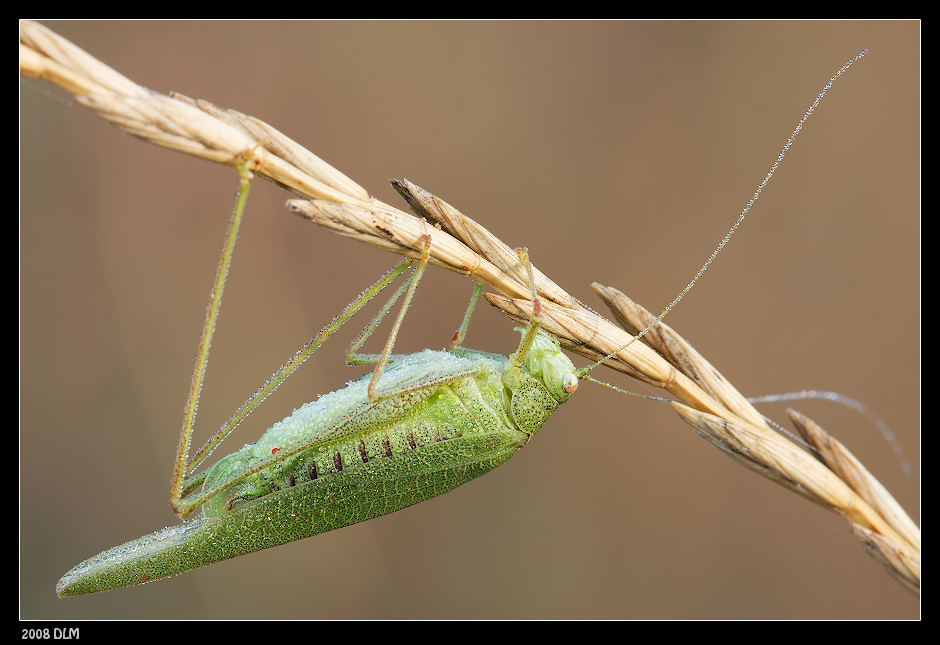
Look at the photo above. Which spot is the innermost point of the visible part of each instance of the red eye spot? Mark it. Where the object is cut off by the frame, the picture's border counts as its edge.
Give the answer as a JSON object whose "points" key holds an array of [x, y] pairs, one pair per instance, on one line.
{"points": [[274, 450]]}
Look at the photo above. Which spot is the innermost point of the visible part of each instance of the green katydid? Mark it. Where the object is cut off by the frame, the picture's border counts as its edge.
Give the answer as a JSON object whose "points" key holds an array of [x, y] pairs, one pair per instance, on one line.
{"points": [[432, 421], [441, 419]]}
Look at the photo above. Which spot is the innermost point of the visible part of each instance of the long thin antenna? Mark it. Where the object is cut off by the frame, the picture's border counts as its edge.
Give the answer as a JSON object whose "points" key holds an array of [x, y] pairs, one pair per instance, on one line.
{"points": [[747, 208]]}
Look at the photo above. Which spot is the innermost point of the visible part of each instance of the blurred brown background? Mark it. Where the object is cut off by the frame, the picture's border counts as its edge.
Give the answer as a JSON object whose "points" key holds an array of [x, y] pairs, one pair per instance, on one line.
{"points": [[619, 152]]}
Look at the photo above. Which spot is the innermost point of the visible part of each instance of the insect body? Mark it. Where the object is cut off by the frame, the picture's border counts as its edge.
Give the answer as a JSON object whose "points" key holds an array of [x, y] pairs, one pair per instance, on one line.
{"points": [[455, 416]]}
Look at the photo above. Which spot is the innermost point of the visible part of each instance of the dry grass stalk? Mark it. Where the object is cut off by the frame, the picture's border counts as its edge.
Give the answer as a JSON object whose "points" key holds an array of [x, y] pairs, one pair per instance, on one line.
{"points": [[902, 565], [834, 479]]}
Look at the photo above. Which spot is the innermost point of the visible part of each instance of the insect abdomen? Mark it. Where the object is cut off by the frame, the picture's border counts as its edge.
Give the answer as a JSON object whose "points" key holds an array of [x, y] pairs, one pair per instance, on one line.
{"points": [[314, 507]]}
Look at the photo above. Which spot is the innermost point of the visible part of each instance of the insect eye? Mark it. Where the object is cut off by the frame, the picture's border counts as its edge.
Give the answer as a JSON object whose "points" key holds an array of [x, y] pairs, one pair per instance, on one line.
{"points": [[569, 382]]}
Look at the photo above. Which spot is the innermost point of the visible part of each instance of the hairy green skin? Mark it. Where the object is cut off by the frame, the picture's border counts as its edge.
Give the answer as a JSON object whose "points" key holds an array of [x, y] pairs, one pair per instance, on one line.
{"points": [[454, 416]]}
